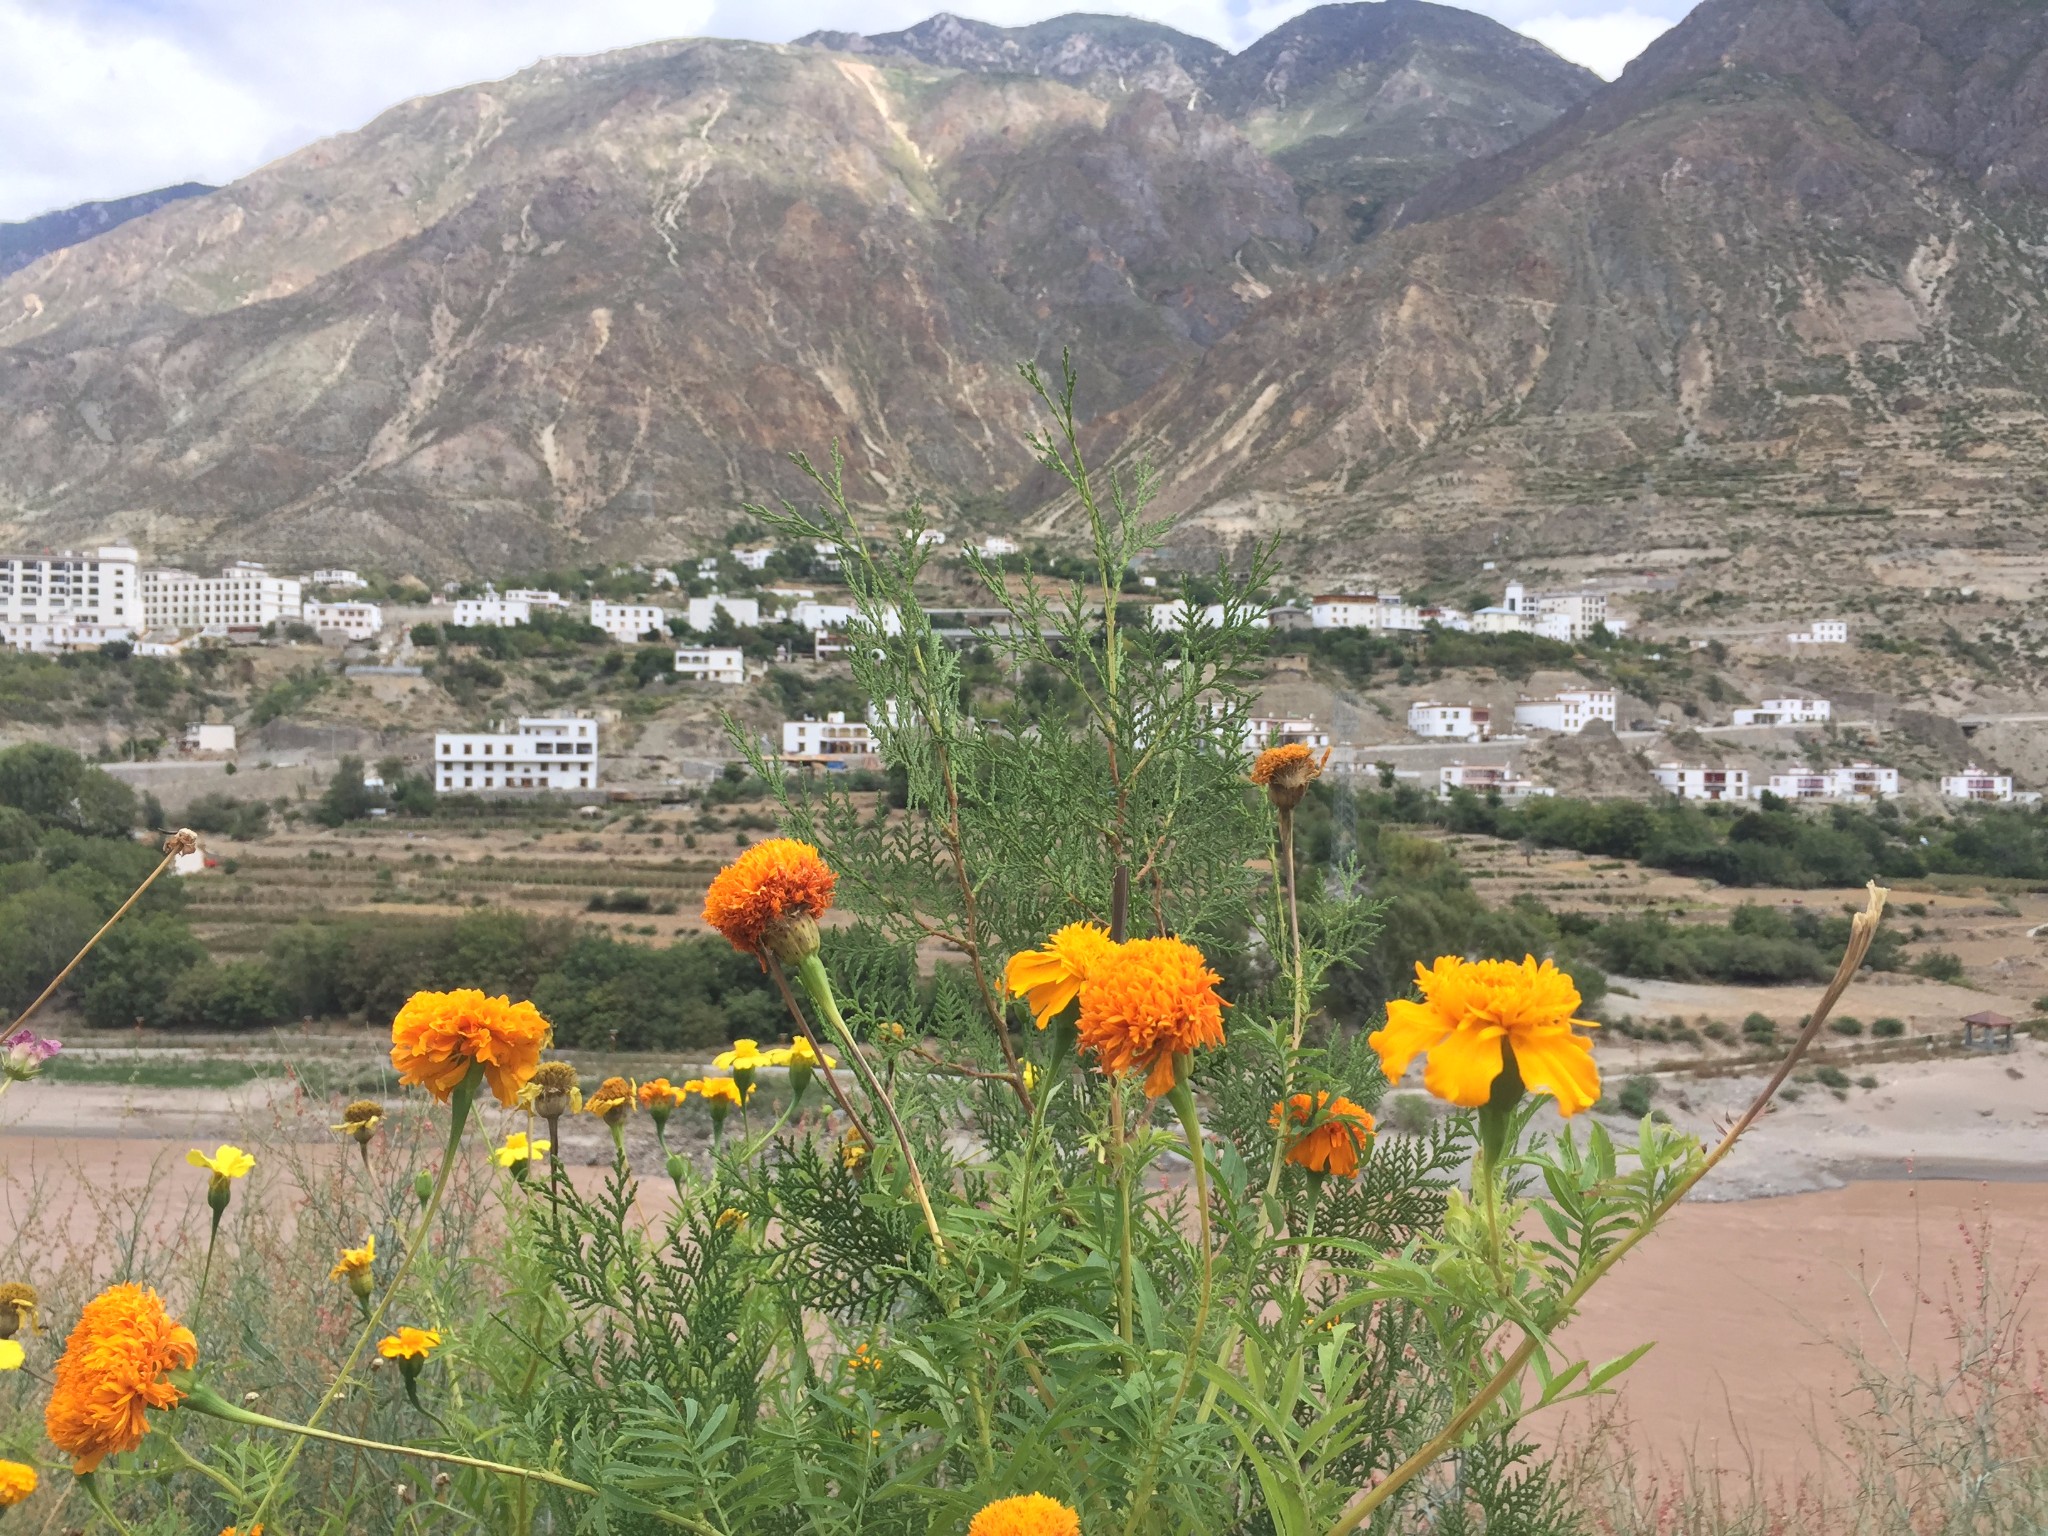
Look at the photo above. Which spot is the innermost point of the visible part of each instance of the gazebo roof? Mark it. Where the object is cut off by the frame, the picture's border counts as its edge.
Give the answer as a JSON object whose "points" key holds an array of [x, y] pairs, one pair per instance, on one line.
{"points": [[1995, 1020]]}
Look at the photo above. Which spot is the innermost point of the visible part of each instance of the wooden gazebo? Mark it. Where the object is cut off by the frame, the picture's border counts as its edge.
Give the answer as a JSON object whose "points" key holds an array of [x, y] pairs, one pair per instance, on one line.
{"points": [[1997, 1031]]}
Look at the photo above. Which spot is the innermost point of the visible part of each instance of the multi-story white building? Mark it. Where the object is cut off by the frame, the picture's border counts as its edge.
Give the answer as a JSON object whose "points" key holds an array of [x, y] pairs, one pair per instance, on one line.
{"points": [[1263, 731], [931, 538], [754, 559], [357, 621], [338, 577], [243, 596], [1703, 783], [1176, 614], [627, 622], [833, 742], [538, 597], [1975, 783], [1374, 611], [1853, 781], [995, 546], [1570, 712], [490, 612], [544, 752], [837, 617], [1822, 632], [1786, 712], [1450, 722], [711, 664], [745, 612], [71, 600], [1487, 779]]}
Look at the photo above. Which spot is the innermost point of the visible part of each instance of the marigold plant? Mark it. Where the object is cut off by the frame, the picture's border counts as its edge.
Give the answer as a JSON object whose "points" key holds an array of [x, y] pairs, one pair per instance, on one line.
{"points": [[439, 1038], [115, 1367]]}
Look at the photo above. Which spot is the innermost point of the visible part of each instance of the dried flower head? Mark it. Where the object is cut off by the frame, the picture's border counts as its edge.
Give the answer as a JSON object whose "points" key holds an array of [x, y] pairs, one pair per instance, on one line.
{"points": [[1147, 1003], [182, 841], [768, 899], [1051, 977], [1329, 1133], [439, 1036], [560, 1090], [17, 1482], [1472, 1012], [1030, 1514], [115, 1366], [361, 1120], [17, 1307], [1287, 773]]}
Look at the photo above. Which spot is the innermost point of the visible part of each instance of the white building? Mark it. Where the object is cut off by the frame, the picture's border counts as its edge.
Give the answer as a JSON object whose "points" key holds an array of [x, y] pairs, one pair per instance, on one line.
{"points": [[1823, 632], [54, 602], [1703, 783], [825, 554], [1853, 781], [1975, 783], [490, 612], [209, 738], [816, 617], [1487, 779], [1570, 712], [1375, 611], [628, 622], [833, 742], [1176, 614], [337, 577], [745, 612], [1450, 722], [1573, 615], [755, 559], [1786, 712], [357, 621], [931, 537], [244, 595], [1263, 731], [538, 597], [995, 546], [711, 664], [545, 752]]}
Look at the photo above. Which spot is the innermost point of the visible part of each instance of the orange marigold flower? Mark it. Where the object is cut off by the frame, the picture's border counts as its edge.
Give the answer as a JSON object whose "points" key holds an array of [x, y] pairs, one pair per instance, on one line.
{"points": [[660, 1094], [236, 1530], [17, 1482], [1030, 1514], [114, 1367], [409, 1344], [1333, 1132], [1471, 1012], [771, 884], [1287, 772], [1149, 1001], [438, 1036], [1050, 978]]}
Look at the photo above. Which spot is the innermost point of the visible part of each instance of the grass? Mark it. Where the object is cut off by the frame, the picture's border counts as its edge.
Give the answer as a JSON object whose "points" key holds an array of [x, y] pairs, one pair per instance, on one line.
{"points": [[160, 1071]]}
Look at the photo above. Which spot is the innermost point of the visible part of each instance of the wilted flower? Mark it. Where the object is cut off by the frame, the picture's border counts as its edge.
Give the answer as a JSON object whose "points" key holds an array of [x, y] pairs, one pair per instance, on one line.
{"points": [[559, 1093], [1287, 773], [23, 1053], [767, 901], [1030, 1514], [1330, 1133], [1475, 1012], [612, 1102], [115, 1366], [1050, 978], [17, 1307], [361, 1120], [356, 1266], [1148, 1003], [438, 1037]]}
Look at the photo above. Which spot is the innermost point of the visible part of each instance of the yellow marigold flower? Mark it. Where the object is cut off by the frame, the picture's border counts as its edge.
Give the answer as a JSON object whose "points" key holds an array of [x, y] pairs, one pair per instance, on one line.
{"points": [[11, 1355], [1030, 1514], [17, 1482], [1148, 1002], [115, 1366], [853, 1151], [1050, 978], [717, 1090], [518, 1149], [409, 1344], [772, 888], [1333, 1132], [745, 1056], [864, 1359], [661, 1094], [1470, 1011], [614, 1097], [800, 1053], [732, 1216], [361, 1119], [226, 1163], [438, 1036], [355, 1261]]}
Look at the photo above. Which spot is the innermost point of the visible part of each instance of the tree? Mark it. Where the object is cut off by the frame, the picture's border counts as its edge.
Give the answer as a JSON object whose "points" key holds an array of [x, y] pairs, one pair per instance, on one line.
{"points": [[59, 789], [131, 975], [345, 799]]}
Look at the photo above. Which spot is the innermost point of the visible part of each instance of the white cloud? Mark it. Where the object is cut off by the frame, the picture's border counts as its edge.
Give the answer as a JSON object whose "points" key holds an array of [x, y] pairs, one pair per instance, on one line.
{"points": [[99, 98], [1604, 42]]}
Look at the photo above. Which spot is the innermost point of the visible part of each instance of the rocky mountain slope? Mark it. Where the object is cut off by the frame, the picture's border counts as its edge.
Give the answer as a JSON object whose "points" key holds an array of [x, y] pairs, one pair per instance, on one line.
{"points": [[22, 242], [590, 307], [1777, 294]]}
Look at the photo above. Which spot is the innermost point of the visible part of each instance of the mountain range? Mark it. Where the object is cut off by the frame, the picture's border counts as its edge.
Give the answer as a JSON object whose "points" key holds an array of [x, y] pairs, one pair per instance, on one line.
{"points": [[1394, 280]]}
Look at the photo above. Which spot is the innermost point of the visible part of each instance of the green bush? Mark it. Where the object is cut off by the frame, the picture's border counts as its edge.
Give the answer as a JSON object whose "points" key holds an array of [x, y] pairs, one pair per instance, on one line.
{"points": [[1831, 1077], [240, 996], [1635, 1096], [228, 816], [1846, 1026], [1939, 965], [1888, 1029], [1762, 1030]]}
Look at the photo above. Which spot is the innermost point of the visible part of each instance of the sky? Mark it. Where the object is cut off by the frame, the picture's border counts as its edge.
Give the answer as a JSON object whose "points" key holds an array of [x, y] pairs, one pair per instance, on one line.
{"points": [[102, 98]]}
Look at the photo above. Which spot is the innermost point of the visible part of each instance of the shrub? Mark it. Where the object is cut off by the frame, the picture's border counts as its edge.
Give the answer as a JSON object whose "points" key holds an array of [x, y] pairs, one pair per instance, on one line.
{"points": [[1718, 1032], [1846, 1026], [1762, 1030], [1830, 1077], [1409, 1114], [1866, 1081], [1939, 965], [1635, 1096], [1888, 1029]]}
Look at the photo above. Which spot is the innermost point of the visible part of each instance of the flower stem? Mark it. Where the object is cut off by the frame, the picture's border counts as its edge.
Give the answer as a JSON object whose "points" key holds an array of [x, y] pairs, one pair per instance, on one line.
{"points": [[94, 1492], [459, 1106]]}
